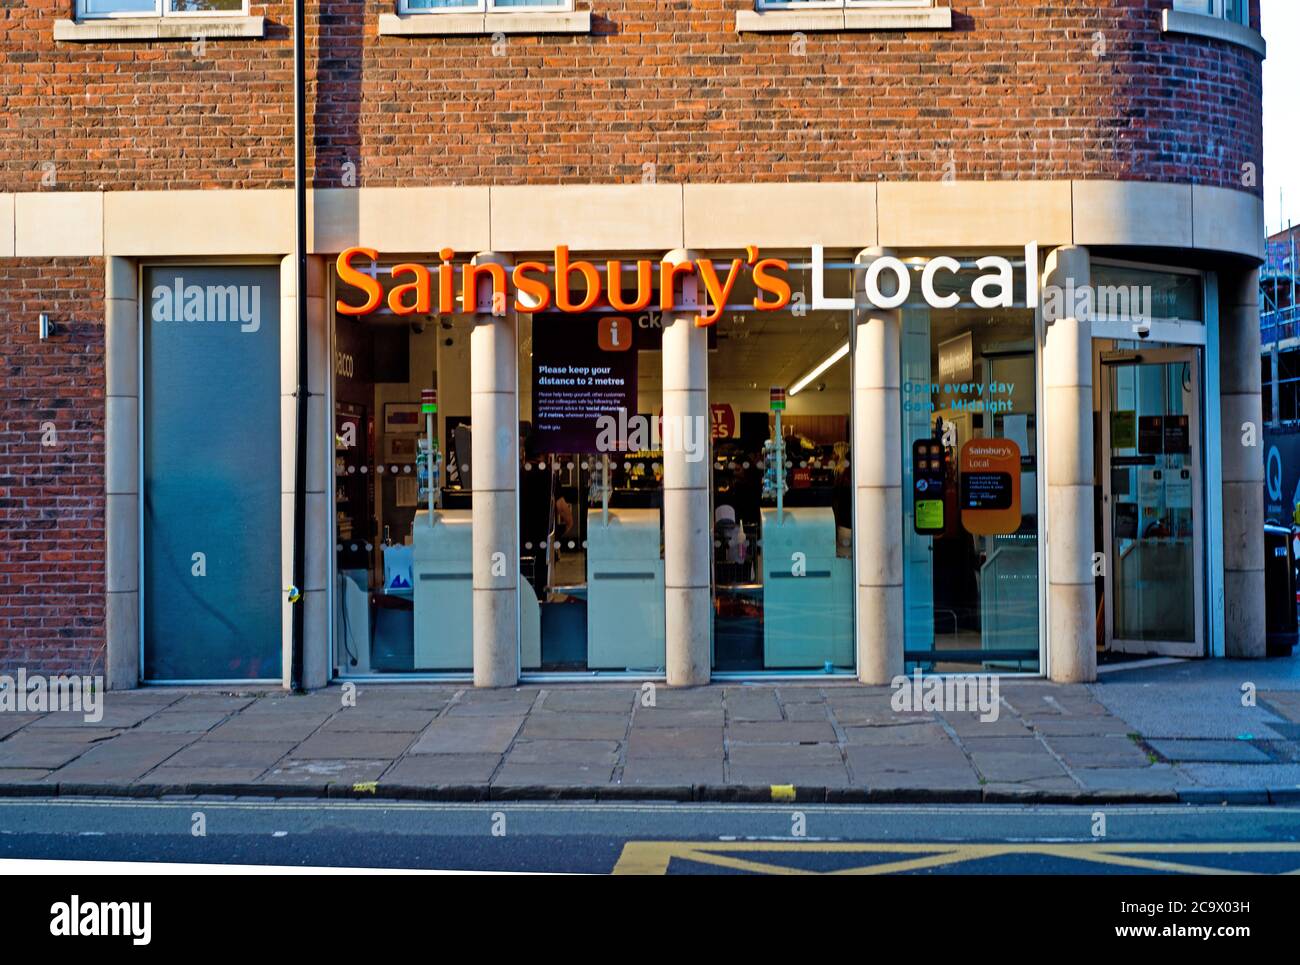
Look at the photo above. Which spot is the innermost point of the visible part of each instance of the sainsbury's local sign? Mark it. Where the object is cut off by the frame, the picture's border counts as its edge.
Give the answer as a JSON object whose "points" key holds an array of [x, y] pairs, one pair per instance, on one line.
{"points": [[538, 286]]}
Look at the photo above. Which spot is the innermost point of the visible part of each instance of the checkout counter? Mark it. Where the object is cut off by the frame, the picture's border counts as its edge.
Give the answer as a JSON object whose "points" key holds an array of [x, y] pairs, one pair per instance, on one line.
{"points": [[442, 580], [816, 605], [625, 590]]}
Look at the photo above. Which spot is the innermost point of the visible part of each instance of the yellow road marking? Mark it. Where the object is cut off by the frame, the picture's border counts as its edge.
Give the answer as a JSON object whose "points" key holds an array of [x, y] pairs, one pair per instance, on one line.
{"points": [[654, 857]]}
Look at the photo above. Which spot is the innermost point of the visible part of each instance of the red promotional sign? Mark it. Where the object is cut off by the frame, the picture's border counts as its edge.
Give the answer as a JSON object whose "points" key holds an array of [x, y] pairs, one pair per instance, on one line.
{"points": [[723, 418]]}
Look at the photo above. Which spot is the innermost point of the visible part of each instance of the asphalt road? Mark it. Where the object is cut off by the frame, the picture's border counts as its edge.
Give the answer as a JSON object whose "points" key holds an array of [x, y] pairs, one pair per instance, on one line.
{"points": [[654, 838]]}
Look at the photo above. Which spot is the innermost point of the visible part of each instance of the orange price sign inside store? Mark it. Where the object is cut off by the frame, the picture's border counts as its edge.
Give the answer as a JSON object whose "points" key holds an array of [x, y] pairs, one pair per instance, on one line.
{"points": [[990, 487]]}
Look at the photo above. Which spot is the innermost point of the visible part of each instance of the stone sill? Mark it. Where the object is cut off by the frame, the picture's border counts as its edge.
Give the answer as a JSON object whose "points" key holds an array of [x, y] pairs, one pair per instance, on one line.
{"points": [[1216, 28], [157, 28], [850, 18], [484, 24]]}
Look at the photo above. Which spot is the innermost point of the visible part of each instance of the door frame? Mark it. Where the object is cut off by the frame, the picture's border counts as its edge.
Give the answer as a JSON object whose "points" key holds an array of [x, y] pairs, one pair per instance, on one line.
{"points": [[1192, 356]]}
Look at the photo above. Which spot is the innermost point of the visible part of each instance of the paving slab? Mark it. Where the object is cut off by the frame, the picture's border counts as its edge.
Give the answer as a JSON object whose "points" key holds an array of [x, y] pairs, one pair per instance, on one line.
{"points": [[781, 732], [1098, 751], [477, 704], [744, 705], [1154, 777], [675, 743], [1100, 725], [1017, 768], [26, 775], [678, 717], [352, 745], [202, 777], [396, 722], [225, 703], [686, 698], [796, 774], [912, 735], [806, 711], [264, 727], [784, 755], [596, 700], [117, 714], [797, 694], [1210, 751], [910, 767], [472, 735], [553, 775], [122, 759], [12, 722], [563, 752], [347, 772], [209, 753], [443, 769], [181, 721], [27, 750], [970, 724], [575, 726], [671, 772]]}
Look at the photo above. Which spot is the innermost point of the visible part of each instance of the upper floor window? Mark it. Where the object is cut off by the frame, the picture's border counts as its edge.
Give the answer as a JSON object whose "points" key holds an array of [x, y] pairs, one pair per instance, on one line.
{"points": [[482, 6], [159, 8], [837, 4], [1238, 11]]}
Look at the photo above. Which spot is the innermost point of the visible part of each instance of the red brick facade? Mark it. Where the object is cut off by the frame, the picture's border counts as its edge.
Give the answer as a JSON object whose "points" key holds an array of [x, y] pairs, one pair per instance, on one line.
{"points": [[660, 88], [52, 466]]}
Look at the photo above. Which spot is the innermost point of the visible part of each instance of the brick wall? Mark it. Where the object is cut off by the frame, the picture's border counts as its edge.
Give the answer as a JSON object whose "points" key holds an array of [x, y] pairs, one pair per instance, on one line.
{"points": [[52, 496], [661, 88]]}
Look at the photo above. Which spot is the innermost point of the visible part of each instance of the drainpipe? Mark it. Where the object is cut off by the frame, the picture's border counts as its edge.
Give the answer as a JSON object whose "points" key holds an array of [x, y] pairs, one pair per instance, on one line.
{"points": [[300, 304]]}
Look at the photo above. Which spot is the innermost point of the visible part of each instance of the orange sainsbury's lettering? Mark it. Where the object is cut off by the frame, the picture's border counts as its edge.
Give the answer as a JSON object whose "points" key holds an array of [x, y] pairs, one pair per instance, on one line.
{"points": [[563, 268], [535, 287], [422, 286], [718, 293], [771, 284], [614, 282], [350, 276]]}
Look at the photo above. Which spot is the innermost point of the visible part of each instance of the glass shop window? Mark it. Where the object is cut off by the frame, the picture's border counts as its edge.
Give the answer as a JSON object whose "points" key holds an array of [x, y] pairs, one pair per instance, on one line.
{"points": [[402, 498], [782, 486], [970, 481]]}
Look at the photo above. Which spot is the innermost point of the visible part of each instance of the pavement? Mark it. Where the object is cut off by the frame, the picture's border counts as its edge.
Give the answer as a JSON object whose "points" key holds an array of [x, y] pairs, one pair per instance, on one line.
{"points": [[1209, 732]]}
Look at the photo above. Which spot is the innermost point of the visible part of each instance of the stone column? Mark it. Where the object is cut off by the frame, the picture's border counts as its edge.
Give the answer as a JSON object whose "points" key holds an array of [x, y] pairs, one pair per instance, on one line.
{"points": [[494, 467], [878, 484], [121, 473], [1067, 452], [1242, 434], [319, 547], [688, 529]]}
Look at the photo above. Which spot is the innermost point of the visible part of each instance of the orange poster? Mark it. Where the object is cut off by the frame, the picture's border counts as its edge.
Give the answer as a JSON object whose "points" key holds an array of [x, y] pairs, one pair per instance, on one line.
{"points": [[990, 487]]}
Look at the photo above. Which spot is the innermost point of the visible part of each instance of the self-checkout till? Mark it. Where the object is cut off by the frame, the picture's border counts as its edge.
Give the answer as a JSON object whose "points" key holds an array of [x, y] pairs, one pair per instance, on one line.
{"points": [[807, 587], [442, 577], [625, 586]]}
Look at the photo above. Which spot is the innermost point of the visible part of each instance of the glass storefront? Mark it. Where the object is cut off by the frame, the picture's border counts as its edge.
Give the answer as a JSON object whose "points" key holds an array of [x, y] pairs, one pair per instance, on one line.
{"points": [[970, 482], [402, 583], [591, 493], [778, 444], [782, 488]]}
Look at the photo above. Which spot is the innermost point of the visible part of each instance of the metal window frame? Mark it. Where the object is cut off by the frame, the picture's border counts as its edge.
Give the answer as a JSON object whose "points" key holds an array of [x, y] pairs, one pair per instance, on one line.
{"points": [[762, 5], [1219, 9], [160, 9], [405, 9]]}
